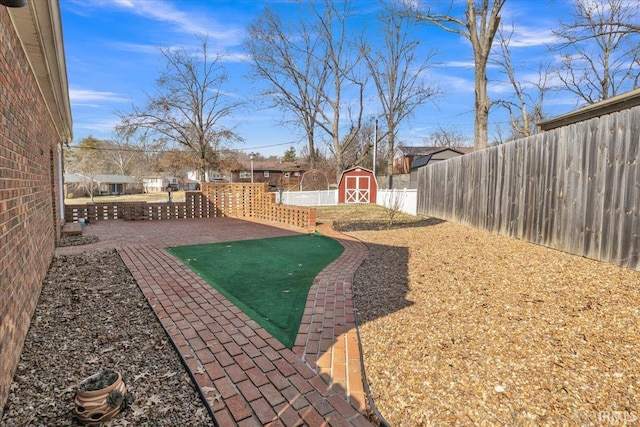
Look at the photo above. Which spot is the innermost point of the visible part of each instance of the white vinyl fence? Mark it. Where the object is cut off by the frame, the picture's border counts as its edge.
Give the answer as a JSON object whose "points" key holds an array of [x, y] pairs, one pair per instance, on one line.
{"points": [[309, 198], [404, 200]]}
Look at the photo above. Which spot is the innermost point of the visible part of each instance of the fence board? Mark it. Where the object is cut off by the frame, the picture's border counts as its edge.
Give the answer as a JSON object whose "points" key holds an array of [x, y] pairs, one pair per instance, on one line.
{"points": [[575, 188]]}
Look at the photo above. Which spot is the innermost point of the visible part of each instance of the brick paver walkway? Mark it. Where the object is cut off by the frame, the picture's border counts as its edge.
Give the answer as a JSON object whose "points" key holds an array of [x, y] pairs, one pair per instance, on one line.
{"points": [[246, 376]]}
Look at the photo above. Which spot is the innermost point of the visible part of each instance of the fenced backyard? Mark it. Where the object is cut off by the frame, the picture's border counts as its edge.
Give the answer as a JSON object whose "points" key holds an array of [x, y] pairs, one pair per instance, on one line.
{"points": [[575, 188]]}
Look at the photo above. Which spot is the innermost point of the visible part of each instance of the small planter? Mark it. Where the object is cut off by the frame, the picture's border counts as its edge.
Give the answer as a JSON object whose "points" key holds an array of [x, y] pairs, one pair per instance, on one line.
{"points": [[99, 397]]}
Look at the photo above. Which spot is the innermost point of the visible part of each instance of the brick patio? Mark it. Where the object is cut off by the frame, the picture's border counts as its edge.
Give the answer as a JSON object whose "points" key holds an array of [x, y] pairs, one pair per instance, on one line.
{"points": [[246, 376]]}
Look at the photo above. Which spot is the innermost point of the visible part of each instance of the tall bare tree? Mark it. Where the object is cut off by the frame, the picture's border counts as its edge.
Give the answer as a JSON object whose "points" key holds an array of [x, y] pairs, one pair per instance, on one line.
{"points": [[189, 105], [600, 45], [285, 56], [343, 60], [479, 25], [310, 67], [525, 106], [398, 76], [447, 137]]}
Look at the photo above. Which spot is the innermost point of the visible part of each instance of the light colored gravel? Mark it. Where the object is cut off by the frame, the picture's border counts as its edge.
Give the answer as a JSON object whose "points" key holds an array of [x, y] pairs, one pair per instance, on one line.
{"points": [[464, 327]]}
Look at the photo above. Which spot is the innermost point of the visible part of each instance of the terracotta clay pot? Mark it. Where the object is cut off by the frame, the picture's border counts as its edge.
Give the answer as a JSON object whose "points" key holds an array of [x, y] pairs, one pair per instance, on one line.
{"points": [[92, 408]]}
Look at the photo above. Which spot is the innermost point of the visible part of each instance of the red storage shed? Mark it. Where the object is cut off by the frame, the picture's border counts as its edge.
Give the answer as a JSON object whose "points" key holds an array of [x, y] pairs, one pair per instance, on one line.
{"points": [[357, 185]]}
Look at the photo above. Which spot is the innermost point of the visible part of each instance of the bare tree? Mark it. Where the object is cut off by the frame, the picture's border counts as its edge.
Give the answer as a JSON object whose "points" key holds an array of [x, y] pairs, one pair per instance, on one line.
{"points": [[525, 107], [398, 77], [285, 55], [86, 161], [120, 156], [189, 105], [309, 67], [601, 57], [479, 26], [447, 137], [342, 59]]}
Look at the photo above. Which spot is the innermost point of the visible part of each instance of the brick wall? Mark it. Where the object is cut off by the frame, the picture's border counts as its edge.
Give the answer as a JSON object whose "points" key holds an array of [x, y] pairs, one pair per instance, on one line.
{"points": [[215, 200], [28, 198]]}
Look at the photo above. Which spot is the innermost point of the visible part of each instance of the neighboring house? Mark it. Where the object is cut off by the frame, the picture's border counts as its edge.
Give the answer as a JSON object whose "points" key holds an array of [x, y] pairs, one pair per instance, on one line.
{"points": [[276, 174], [35, 121], [159, 183], [406, 155], [210, 176], [104, 184], [443, 153]]}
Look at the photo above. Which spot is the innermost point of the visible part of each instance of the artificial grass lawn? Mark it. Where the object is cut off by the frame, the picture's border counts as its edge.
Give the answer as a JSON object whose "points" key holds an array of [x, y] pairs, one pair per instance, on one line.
{"points": [[268, 279]]}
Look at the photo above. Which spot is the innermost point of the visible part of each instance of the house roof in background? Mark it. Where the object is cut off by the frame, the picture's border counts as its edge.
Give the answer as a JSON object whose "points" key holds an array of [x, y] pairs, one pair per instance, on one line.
{"points": [[420, 161], [101, 179], [274, 166]]}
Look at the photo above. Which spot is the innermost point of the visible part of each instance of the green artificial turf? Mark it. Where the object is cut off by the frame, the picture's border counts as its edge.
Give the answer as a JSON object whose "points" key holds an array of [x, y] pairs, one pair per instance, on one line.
{"points": [[268, 279]]}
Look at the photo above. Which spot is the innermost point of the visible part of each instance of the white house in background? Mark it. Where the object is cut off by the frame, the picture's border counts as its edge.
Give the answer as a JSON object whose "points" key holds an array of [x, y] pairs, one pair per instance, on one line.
{"points": [[210, 176], [158, 183], [103, 184]]}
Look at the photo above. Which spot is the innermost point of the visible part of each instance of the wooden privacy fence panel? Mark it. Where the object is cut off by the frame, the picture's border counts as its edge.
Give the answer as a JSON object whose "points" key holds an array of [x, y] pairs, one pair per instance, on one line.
{"points": [[576, 189], [215, 200]]}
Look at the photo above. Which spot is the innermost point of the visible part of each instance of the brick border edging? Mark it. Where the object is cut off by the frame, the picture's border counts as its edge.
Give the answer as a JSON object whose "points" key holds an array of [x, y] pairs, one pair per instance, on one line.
{"points": [[351, 244], [255, 379]]}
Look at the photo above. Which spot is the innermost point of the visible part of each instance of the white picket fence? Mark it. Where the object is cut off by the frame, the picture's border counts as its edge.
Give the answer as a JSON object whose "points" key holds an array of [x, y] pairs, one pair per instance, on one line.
{"points": [[405, 200]]}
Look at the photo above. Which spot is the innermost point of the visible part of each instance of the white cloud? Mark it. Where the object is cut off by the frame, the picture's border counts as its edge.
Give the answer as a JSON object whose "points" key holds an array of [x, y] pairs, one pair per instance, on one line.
{"points": [[86, 96], [529, 37], [98, 127], [176, 15]]}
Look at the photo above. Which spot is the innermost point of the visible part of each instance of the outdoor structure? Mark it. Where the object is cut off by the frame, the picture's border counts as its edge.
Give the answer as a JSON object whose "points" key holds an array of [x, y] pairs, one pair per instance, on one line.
{"points": [[35, 120], [357, 185], [435, 156], [406, 155], [314, 180], [574, 187], [213, 200]]}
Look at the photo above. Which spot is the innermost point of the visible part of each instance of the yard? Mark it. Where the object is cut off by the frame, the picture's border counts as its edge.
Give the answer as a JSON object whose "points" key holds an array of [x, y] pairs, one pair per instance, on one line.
{"points": [[458, 327], [464, 327]]}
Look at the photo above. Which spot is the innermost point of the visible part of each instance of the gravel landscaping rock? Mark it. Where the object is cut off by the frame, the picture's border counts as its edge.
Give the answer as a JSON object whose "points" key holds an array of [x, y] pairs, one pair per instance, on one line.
{"points": [[463, 327]]}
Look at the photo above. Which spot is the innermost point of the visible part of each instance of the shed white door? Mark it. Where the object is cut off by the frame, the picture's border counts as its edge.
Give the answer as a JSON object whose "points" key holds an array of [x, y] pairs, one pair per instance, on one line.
{"points": [[357, 189]]}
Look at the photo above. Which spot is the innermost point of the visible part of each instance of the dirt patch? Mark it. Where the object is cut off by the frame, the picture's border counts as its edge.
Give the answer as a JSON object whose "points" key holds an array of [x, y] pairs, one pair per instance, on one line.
{"points": [[464, 327], [91, 314]]}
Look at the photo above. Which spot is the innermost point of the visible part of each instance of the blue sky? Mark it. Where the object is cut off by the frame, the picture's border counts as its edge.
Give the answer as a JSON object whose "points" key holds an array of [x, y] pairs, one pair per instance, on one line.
{"points": [[112, 53]]}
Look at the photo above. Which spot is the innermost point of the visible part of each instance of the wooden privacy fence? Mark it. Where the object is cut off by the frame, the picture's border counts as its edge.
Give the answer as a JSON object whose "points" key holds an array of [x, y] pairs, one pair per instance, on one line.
{"points": [[214, 200], [576, 189]]}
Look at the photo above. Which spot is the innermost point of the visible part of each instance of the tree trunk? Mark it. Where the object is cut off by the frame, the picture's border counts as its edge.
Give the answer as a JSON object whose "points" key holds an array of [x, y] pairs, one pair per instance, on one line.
{"points": [[482, 104]]}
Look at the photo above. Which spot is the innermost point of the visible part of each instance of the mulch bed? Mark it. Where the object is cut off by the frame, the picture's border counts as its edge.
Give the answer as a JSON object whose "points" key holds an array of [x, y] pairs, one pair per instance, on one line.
{"points": [[91, 314], [463, 327]]}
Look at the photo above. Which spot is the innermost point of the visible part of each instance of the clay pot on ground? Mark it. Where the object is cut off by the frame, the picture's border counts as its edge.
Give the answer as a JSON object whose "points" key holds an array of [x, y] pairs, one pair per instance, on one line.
{"points": [[99, 397]]}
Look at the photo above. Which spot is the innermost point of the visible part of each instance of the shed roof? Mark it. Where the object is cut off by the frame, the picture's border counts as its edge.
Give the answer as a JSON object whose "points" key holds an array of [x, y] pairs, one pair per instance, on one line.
{"points": [[420, 161]]}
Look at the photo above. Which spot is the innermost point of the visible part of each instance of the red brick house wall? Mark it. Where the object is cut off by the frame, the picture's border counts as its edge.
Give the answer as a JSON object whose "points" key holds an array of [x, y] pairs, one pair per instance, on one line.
{"points": [[29, 197]]}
